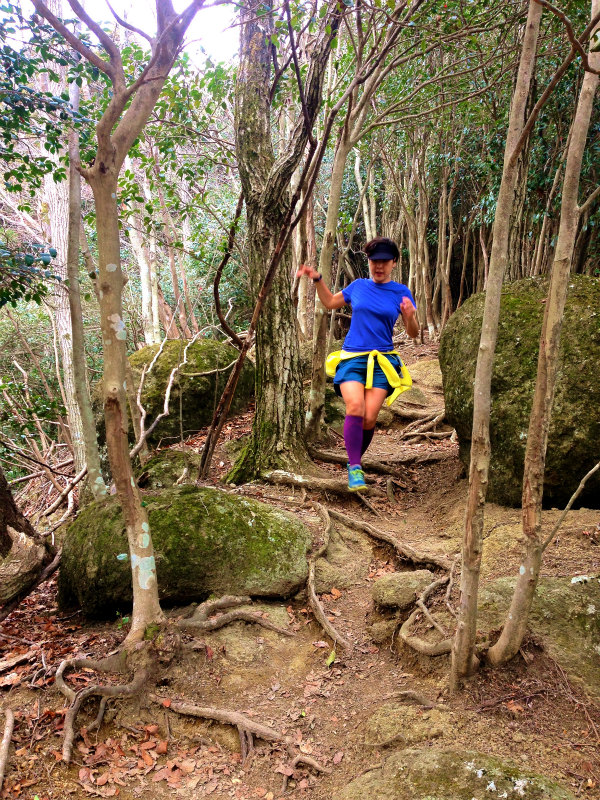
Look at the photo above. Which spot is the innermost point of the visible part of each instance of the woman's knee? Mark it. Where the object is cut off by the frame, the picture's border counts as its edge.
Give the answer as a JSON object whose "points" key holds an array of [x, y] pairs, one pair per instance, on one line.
{"points": [[355, 408]]}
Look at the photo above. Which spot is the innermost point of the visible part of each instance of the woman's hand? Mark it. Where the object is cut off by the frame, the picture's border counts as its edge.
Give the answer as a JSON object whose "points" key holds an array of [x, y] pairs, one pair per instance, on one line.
{"points": [[307, 270], [409, 317]]}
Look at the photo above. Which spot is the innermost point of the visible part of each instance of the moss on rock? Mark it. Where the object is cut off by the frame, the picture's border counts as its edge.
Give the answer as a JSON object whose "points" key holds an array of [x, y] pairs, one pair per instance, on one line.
{"points": [[205, 540], [400, 589], [166, 467], [429, 774], [575, 427], [196, 390], [564, 616]]}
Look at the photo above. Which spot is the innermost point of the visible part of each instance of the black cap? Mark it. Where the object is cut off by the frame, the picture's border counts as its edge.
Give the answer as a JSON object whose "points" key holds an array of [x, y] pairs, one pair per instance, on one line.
{"points": [[382, 252]]}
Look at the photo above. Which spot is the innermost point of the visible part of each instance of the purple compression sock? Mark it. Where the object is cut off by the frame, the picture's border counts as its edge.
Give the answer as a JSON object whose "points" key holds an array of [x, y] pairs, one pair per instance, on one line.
{"points": [[353, 436], [367, 436]]}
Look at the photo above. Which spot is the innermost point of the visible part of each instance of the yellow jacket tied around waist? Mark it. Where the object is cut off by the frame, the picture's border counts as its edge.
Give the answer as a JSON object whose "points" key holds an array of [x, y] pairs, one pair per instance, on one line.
{"points": [[399, 382]]}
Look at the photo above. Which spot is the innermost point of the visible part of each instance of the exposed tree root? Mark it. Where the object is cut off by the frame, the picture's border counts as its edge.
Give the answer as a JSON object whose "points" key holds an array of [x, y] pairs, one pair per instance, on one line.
{"points": [[332, 457], [416, 642], [5, 744], [280, 476], [248, 726], [428, 423], [405, 551], [312, 595], [414, 412], [410, 696], [302, 759], [200, 621], [129, 690], [114, 663]]}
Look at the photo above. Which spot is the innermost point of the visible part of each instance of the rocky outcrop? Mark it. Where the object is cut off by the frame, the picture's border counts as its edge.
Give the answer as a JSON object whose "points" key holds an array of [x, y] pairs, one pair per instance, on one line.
{"points": [[197, 387], [430, 774], [575, 427], [205, 540]]}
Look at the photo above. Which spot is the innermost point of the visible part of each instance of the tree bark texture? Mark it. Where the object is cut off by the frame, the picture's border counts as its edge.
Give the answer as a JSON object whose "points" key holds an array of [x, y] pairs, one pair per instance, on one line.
{"points": [[515, 625], [277, 438], [22, 550], [95, 481], [119, 127], [463, 649]]}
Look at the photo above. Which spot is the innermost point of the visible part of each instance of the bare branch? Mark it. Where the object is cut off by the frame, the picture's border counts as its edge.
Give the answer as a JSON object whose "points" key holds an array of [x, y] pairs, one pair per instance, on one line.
{"points": [[591, 199], [575, 43], [73, 40]]}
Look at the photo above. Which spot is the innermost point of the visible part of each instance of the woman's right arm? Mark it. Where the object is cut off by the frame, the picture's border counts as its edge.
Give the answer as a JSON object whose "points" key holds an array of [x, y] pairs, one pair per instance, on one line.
{"points": [[326, 297]]}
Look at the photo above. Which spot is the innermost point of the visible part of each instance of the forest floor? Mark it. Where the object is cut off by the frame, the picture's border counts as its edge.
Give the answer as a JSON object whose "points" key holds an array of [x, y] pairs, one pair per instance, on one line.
{"points": [[528, 711]]}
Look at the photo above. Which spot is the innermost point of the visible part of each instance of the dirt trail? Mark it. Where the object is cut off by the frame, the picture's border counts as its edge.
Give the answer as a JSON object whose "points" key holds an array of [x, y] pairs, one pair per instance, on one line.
{"points": [[527, 712]]}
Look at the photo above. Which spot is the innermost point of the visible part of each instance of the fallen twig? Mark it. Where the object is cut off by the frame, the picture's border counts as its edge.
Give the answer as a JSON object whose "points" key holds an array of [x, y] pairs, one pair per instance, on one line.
{"points": [[6, 738], [279, 476]]}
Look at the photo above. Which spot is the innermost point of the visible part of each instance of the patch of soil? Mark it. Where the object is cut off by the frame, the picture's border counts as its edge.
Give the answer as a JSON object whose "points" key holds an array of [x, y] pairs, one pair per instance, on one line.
{"points": [[527, 711]]}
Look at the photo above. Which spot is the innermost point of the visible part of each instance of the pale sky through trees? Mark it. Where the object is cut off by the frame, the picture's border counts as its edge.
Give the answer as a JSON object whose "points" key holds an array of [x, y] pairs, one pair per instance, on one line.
{"points": [[207, 31]]}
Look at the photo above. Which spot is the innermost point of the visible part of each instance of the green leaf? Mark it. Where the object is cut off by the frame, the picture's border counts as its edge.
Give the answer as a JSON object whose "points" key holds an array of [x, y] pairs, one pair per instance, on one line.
{"points": [[330, 658]]}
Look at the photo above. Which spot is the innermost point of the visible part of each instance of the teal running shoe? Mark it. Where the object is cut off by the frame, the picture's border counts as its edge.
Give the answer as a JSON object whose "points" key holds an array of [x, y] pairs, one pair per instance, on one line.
{"points": [[356, 478]]}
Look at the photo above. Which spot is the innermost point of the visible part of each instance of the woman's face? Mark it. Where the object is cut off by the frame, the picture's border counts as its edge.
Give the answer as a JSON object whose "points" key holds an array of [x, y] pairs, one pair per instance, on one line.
{"points": [[381, 271]]}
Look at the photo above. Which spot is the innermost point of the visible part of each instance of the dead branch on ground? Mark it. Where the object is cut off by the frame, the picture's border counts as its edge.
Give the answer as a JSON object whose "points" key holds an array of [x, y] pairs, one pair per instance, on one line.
{"points": [[279, 476], [6, 738]]}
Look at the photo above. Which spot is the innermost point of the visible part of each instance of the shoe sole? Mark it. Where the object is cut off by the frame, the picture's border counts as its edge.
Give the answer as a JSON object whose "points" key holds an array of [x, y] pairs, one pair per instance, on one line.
{"points": [[357, 488]]}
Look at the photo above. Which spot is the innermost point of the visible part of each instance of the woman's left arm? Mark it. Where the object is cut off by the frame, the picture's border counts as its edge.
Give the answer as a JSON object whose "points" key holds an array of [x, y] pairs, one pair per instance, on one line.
{"points": [[409, 317]]}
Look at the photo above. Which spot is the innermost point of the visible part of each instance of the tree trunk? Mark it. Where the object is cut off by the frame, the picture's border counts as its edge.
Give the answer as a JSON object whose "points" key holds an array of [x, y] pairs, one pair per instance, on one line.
{"points": [[316, 399], [277, 439], [95, 481], [463, 649], [22, 550], [146, 608], [539, 422]]}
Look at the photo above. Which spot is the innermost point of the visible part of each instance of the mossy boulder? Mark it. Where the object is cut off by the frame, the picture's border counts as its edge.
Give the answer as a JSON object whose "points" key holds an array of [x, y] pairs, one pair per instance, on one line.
{"points": [[205, 540], [400, 589], [197, 388], [575, 427], [564, 616], [167, 467], [429, 774]]}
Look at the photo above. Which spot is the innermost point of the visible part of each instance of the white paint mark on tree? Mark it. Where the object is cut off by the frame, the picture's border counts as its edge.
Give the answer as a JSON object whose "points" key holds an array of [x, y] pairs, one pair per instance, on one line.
{"points": [[111, 267], [118, 326], [146, 570]]}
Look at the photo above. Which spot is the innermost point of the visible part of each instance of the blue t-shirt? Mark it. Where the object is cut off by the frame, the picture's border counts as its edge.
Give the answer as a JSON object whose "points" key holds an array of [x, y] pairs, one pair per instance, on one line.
{"points": [[375, 309]]}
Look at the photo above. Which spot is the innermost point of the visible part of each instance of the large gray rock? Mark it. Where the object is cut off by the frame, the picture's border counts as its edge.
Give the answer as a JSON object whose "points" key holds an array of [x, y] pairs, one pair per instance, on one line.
{"points": [[400, 589], [575, 428], [427, 774], [564, 616], [205, 540], [196, 390]]}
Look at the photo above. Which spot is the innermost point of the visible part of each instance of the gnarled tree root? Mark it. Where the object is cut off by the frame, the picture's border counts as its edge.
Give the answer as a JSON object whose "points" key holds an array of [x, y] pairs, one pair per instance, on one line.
{"points": [[331, 457], [5, 744], [247, 728], [129, 690], [279, 476], [404, 551], [200, 621], [416, 642], [115, 663], [312, 595]]}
